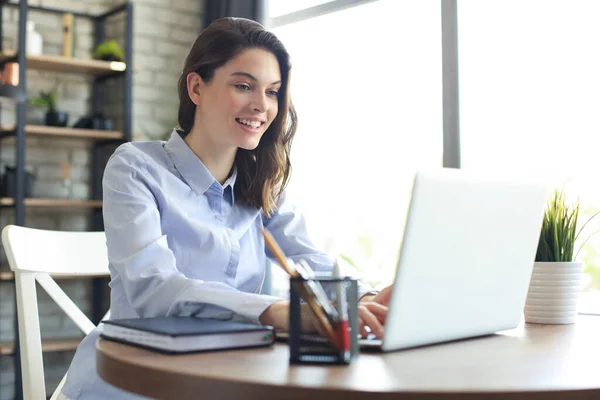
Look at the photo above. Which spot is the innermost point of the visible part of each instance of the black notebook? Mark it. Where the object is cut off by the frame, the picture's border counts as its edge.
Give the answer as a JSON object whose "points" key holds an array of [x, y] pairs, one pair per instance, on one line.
{"points": [[187, 334]]}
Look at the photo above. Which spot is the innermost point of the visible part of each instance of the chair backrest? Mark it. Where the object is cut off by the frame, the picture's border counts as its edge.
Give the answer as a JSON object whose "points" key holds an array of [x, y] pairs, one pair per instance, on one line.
{"points": [[34, 254]]}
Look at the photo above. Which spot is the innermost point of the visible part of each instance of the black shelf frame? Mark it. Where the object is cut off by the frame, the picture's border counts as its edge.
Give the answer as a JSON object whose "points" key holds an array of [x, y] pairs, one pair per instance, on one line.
{"points": [[99, 146]]}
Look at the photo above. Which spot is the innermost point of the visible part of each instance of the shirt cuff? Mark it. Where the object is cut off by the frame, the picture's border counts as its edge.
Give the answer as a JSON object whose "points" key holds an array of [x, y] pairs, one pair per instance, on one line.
{"points": [[255, 306], [365, 291]]}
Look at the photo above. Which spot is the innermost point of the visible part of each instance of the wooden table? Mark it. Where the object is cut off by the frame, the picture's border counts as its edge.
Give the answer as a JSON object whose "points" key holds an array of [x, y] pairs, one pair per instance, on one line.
{"points": [[530, 362]]}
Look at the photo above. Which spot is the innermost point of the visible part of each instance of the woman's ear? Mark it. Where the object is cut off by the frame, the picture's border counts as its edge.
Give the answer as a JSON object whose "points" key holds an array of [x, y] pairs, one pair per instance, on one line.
{"points": [[194, 83]]}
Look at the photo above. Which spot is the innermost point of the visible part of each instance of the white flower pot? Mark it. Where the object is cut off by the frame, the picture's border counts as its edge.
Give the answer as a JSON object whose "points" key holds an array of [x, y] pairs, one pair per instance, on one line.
{"points": [[554, 292]]}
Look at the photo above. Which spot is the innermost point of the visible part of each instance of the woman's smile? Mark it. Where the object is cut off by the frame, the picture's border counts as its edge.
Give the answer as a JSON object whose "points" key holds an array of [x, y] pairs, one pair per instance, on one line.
{"points": [[250, 125]]}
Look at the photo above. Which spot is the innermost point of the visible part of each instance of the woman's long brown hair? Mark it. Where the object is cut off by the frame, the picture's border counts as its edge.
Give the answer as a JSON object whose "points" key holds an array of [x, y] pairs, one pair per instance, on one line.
{"points": [[263, 173]]}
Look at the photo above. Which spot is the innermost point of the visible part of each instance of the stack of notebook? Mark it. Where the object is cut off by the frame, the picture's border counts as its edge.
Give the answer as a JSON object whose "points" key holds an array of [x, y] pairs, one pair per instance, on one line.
{"points": [[187, 334]]}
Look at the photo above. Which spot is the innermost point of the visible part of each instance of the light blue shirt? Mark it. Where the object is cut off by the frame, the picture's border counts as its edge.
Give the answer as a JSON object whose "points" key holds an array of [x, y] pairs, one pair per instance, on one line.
{"points": [[180, 244]]}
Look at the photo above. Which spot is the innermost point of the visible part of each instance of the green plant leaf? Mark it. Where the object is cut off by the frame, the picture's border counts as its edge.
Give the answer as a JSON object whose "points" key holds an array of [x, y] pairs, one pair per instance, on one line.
{"points": [[349, 260], [109, 48], [559, 229], [35, 101]]}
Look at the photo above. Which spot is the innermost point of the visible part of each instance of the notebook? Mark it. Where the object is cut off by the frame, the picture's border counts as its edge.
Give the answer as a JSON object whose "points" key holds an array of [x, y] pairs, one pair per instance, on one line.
{"points": [[187, 334], [465, 259]]}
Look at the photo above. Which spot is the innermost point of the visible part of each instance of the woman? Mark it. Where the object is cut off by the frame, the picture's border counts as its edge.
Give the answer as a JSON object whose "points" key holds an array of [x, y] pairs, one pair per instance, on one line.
{"points": [[183, 218]]}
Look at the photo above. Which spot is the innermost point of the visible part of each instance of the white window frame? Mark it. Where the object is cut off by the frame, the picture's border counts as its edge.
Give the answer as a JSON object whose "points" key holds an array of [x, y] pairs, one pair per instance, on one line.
{"points": [[450, 90]]}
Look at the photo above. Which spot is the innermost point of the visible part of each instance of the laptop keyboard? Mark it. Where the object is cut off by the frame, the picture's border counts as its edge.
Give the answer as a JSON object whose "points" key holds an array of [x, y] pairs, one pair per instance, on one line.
{"points": [[370, 342]]}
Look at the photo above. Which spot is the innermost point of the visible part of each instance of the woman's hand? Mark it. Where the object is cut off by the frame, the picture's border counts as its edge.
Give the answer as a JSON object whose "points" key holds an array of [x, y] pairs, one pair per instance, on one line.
{"points": [[372, 312], [383, 297], [277, 315]]}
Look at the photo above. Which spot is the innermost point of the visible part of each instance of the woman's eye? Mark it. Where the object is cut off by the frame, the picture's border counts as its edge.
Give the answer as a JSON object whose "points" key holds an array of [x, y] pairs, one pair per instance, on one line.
{"points": [[273, 93], [242, 86]]}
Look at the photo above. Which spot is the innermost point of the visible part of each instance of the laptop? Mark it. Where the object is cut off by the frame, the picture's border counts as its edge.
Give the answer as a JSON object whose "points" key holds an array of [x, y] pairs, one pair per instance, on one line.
{"points": [[465, 259]]}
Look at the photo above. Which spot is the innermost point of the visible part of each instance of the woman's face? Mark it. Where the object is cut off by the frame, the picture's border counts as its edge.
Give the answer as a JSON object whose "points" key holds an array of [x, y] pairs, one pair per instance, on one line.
{"points": [[235, 108]]}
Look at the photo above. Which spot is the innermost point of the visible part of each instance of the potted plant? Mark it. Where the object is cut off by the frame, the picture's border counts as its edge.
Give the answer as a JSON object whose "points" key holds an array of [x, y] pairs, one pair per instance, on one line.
{"points": [[555, 285], [48, 100], [109, 51]]}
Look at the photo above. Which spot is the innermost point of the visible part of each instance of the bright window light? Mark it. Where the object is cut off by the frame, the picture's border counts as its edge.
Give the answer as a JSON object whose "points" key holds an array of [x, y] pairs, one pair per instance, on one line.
{"points": [[529, 100], [367, 85]]}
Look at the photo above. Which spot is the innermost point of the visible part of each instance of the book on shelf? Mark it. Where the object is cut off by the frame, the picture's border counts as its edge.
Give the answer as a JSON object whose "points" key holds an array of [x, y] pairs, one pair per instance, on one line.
{"points": [[187, 334]]}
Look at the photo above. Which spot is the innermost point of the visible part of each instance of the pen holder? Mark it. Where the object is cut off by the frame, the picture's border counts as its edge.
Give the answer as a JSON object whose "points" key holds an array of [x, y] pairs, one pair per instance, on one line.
{"points": [[308, 340]]}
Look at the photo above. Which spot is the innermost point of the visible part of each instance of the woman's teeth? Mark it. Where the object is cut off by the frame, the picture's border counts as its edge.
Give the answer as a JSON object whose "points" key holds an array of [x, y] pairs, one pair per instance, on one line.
{"points": [[253, 124]]}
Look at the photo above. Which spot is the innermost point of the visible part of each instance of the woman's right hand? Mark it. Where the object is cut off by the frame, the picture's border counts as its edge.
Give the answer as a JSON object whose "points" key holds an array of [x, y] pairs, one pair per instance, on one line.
{"points": [[277, 315], [370, 314]]}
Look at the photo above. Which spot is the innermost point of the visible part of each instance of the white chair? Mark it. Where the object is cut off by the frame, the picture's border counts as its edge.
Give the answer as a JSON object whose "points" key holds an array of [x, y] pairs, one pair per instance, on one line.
{"points": [[33, 255]]}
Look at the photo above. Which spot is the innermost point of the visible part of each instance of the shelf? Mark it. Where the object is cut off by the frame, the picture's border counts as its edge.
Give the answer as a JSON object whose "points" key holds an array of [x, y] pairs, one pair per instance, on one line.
{"points": [[48, 62], [50, 345], [35, 202], [7, 276], [43, 130], [10, 276]]}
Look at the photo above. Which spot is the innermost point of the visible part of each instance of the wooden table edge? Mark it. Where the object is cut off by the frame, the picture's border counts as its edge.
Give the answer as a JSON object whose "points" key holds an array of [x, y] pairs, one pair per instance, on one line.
{"points": [[159, 383]]}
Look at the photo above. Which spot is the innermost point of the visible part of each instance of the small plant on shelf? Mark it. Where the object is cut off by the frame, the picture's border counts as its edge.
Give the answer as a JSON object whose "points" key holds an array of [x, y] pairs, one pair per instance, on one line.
{"points": [[48, 100], [109, 51], [45, 99]]}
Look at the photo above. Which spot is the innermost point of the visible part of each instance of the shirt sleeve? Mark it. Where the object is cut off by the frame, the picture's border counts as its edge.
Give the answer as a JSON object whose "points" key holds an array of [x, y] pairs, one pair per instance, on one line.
{"points": [[288, 227], [139, 252]]}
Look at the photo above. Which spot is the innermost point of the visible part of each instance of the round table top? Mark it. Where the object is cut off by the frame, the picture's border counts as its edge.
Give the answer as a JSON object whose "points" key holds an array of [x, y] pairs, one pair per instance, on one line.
{"points": [[531, 361]]}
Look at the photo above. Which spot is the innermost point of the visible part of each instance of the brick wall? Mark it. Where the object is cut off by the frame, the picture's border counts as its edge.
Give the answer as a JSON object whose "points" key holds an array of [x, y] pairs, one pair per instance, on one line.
{"points": [[164, 30]]}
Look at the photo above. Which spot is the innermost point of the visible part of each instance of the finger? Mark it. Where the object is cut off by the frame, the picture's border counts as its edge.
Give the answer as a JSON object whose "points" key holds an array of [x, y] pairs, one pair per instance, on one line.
{"points": [[383, 297], [362, 329], [371, 321], [378, 310]]}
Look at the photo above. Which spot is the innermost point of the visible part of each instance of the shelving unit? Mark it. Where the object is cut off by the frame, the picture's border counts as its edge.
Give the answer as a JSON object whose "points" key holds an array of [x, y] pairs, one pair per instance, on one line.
{"points": [[42, 130], [100, 71], [39, 202], [50, 345], [67, 64]]}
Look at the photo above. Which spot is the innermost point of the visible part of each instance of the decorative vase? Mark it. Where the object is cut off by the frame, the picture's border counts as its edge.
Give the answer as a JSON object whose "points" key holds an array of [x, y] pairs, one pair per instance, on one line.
{"points": [[554, 292], [56, 118], [35, 43]]}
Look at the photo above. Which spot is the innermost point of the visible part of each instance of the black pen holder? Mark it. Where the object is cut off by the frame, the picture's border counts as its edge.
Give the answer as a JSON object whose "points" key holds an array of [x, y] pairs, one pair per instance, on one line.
{"points": [[308, 340]]}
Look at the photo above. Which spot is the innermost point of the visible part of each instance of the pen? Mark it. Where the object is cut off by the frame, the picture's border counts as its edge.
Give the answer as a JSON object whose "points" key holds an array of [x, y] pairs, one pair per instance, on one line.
{"points": [[317, 290], [342, 327], [305, 291]]}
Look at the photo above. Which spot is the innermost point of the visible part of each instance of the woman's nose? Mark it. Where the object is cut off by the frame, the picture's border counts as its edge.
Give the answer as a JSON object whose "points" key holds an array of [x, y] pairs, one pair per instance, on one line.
{"points": [[260, 103]]}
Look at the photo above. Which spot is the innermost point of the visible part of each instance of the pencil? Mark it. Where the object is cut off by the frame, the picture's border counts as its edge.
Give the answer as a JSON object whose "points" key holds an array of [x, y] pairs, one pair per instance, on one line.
{"points": [[320, 313], [278, 253]]}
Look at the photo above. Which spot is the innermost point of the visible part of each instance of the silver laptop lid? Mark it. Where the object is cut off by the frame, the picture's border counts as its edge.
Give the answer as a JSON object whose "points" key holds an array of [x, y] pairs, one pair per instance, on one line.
{"points": [[466, 257]]}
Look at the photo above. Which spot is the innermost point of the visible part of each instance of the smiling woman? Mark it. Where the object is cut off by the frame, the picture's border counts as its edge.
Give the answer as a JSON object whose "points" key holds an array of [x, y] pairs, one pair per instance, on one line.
{"points": [[246, 77], [233, 108], [184, 218]]}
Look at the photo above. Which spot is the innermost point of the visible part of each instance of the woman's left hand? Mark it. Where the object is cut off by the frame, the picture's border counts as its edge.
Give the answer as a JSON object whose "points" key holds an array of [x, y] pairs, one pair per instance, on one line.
{"points": [[383, 297], [372, 312]]}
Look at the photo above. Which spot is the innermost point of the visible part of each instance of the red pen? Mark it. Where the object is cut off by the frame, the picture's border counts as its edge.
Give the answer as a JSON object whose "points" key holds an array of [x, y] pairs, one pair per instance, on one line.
{"points": [[342, 326]]}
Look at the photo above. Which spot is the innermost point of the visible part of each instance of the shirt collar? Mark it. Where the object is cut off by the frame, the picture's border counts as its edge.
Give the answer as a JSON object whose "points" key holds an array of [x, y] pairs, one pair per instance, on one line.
{"points": [[191, 168], [230, 182]]}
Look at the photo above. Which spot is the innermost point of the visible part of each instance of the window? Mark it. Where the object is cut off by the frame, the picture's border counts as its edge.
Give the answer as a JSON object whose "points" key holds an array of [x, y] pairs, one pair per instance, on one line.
{"points": [[367, 87], [282, 7], [530, 95]]}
